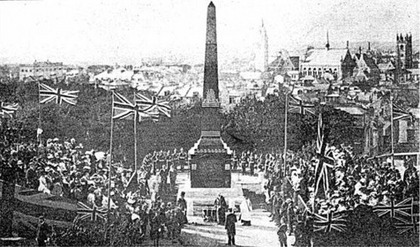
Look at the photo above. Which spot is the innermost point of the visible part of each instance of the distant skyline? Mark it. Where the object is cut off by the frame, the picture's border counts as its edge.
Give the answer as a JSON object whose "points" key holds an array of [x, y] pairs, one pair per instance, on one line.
{"points": [[125, 32]]}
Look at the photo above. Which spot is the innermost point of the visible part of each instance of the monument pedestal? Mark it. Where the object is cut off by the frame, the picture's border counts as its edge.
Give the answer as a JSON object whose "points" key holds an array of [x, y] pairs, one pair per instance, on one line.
{"points": [[203, 198]]}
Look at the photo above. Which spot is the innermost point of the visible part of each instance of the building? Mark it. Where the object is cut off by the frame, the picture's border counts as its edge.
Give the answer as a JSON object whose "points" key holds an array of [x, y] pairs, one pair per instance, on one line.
{"points": [[261, 55], [386, 71], [318, 62], [45, 70], [404, 58], [405, 51], [366, 68]]}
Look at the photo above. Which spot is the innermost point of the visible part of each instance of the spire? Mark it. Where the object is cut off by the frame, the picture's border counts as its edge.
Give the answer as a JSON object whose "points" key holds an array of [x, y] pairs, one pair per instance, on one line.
{"points": [[347, 44], [368, 46], [328, 42]]}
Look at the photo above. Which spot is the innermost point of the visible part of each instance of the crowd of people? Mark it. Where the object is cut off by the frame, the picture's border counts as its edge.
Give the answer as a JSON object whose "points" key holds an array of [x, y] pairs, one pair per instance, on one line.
{"points": [[353, 181], [62, 168]]}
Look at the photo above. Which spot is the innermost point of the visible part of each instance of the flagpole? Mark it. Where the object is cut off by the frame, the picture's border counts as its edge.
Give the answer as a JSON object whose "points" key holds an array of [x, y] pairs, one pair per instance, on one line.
{"points": [[110, 158], [38, 135], [285, 133], [392, 131], [135, 134]]}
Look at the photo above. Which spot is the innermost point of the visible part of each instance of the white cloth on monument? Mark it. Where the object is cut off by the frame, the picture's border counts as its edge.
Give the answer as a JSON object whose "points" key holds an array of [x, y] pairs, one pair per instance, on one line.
{"points": [[246, 208]]}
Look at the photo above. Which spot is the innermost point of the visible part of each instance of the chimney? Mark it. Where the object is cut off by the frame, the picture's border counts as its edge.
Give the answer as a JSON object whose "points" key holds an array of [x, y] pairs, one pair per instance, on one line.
{"points": [[368, 46]]}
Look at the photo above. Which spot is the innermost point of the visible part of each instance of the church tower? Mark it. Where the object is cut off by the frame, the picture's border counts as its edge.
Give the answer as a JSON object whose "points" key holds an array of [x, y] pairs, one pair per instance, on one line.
{"points": [[404, 51], [261, 56]]}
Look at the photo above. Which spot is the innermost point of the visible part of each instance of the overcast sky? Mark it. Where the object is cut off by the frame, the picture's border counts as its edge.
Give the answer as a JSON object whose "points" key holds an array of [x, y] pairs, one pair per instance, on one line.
{"points": [[126, 31]]}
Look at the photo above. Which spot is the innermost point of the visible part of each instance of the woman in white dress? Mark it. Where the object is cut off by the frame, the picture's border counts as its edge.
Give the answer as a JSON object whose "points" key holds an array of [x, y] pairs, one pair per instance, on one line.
{"points": [[246, 208], [43, 185]]}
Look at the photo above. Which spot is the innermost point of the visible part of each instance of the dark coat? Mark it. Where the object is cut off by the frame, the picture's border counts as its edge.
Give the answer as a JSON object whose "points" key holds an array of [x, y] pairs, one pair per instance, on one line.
{"points": [[230, 223]]}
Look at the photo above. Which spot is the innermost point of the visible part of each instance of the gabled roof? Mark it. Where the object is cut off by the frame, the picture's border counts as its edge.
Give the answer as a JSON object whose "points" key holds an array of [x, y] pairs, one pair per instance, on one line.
{"points": [[386, 66], [320, 57], [370, 62]]}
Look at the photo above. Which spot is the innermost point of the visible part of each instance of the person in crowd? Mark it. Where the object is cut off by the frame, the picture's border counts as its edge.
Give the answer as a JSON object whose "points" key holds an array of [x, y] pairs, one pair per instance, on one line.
{"points": [[43, 184], [230, 226], [221, 206], [172, 178], [234, 161], [243, 163], [31, 176], [182, 159], [182, 204], [246, 209], [43, 232], [282, 233]]}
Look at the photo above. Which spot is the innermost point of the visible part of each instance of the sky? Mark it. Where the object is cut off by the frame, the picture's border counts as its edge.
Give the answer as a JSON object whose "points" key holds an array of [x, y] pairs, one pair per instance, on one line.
{"points": [[125, 32]]}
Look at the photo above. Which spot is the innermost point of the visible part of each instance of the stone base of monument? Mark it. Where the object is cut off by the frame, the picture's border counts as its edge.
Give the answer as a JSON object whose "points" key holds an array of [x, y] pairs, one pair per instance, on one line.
{"points": [[199, 199]]}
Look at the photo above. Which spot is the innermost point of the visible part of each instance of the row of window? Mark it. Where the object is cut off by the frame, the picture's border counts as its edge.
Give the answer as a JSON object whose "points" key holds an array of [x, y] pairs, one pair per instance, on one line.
{"points": [[38, 70], [320, 69]]}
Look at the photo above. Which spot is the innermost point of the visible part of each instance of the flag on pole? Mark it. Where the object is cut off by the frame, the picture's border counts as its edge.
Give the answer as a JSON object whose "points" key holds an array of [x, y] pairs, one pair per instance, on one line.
{"points": [[149, 105], [331, 221], [399, 113], [8, 109], [324, 164], [124, 109], [86, 212], [48, 94], [297, 105], [320, 133]]}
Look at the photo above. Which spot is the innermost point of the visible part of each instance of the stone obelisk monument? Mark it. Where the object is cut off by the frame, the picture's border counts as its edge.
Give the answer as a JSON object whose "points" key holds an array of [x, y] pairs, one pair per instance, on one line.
{"points": [[210, 157]]}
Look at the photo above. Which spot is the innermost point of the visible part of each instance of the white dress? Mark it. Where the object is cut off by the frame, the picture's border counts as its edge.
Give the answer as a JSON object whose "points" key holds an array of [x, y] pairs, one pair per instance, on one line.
{"points": [[246, 208], [43, 185]]}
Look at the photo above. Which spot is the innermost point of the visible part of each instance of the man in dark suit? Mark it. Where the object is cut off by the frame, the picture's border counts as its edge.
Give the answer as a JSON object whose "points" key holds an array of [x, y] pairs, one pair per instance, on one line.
{"points": [[230, 226], [43, 232]]}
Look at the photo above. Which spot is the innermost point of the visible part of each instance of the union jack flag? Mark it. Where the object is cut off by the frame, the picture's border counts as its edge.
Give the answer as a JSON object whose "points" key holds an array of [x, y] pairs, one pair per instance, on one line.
{"points": [[331, 221], [8, 109], [399, 113], [124, 109], [48, 94], [149, 105], [405, 214], [403, 208], [325, 162], [298, 106], [86, 212]]}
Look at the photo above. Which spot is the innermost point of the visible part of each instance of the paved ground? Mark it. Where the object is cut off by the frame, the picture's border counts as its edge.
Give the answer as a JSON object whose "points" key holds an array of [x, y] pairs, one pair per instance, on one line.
{"points": [[262, 233]]}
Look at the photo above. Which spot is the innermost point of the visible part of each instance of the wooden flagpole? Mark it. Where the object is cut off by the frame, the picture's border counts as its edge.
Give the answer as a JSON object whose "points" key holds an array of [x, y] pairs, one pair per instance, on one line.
{"points": [[135, 134], [38, 135], [110, 158], [392, 131], [285, 134]]}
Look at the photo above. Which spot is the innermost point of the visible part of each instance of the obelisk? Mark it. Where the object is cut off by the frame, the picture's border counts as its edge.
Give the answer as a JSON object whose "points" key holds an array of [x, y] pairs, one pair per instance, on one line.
{"points": [[210, 156], [210, 119], [211, 79]]}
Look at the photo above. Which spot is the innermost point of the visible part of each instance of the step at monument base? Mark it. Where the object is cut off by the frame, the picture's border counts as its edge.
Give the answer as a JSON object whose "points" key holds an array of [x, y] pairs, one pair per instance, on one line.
{"points": [[203, 198]]}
